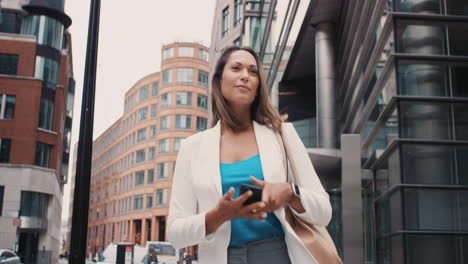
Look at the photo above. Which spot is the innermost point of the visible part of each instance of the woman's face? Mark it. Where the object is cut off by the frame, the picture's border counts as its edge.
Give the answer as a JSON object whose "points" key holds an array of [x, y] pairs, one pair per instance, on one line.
{"points": [[240, 78]]}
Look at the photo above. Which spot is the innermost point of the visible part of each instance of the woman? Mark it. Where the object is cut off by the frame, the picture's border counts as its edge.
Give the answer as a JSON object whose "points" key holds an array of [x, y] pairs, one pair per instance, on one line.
{"points": [[242, 147]]}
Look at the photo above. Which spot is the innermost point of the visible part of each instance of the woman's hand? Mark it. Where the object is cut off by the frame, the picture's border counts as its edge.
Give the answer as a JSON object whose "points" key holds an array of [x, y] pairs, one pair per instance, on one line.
{"points": [[228, 209], [275, 195]]}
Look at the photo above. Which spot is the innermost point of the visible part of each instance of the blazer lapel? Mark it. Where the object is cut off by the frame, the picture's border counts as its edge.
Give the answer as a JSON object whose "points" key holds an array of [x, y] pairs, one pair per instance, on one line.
{"points": [[209, 158], [270, 154]]}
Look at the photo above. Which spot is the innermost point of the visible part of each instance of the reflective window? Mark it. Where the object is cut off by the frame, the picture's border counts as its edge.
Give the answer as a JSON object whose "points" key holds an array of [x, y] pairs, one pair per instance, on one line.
{"points": [[163, 146], [202, 101], [202, 78], [141, 135], [143, 114], [10, 22], [8, 64], [154, 108], [5, 147], [203, 54], [163, 170], [165, 100], [47, 70], [151, 152], [50, 32], [201, 123], [149, 201], [155, 87], [186, 52], [152, 132], [183, 121], [184, 98], [225, 22], [168, 53], [7, 106], [46, 113], [161, 197], [138, 202], [42, 154], [140, 155], [237, 12], [164, 123], [185, 76], [166, 77], [177, 144], [139, 178], [150, 176], [144, 93], [34, 204]]}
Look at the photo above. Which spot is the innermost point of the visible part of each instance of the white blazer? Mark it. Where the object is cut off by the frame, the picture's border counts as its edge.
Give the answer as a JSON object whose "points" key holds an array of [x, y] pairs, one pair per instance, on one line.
{"points": [[196, 189]]}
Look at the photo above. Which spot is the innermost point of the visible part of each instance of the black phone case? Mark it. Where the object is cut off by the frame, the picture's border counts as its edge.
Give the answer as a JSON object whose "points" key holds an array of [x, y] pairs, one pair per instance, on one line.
{"points": [[256, 196]]}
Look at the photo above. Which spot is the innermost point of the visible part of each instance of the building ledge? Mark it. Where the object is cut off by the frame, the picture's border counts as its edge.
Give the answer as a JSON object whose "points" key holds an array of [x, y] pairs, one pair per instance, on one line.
{"points": [[47, 131], [18, 77], [26, 166], [17, 37]]}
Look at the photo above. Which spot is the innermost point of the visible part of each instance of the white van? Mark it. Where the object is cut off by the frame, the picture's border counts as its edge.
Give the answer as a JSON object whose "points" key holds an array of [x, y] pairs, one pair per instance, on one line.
{"points": [[164, 251], [109, 254]]}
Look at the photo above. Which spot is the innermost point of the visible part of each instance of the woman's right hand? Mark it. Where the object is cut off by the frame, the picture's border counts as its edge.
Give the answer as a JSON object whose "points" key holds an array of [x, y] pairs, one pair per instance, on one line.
{"points": [[228, 209]]}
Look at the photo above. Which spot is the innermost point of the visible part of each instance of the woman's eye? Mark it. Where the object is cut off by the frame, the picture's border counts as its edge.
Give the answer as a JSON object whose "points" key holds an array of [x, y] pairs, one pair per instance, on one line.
{"points": [[235, 68], [254, 72]]}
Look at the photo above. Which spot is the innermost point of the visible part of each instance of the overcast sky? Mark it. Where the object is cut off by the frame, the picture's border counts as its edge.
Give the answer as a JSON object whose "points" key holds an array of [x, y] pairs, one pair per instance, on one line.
{"points": [[131, 35]]}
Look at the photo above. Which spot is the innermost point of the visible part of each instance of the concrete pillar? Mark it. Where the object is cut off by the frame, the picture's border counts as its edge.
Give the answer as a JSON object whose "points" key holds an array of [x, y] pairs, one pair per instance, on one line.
{"points": [[144, 232], [325, 83], [131, 231], [351, 196]]}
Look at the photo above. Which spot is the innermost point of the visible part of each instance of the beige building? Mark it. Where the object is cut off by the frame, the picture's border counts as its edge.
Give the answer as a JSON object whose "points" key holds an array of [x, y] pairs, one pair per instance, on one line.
{"points": [[134, 159]]}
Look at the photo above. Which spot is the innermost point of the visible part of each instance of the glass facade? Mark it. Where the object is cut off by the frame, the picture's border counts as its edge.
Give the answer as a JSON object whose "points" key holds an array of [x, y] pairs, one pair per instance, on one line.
{"points": [[202, 78], [201, 123], [161, 197], [184, 76], [237, 12], [34, 204], [166, 77], [164, 123], [183, 122], [225, 22], [183, 98], [42, 154], [10, 22], [202, 101], [165, 100], [5, 148], [144, 93]]}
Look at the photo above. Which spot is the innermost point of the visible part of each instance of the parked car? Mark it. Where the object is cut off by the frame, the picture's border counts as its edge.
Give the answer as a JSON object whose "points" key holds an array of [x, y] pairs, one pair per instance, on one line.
{"points": [[8, 256]]}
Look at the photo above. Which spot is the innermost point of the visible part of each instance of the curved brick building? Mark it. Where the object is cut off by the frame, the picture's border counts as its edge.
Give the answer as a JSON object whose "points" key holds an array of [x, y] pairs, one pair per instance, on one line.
{"points": [[134, 159]]}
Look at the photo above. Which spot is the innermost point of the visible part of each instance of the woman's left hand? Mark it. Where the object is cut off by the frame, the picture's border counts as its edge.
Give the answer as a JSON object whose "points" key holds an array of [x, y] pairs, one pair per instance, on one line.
{"points": [[275, 195]]}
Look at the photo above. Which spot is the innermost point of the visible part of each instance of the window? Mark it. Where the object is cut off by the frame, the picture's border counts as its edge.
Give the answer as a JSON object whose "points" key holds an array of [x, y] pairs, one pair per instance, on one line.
{"points": [[237, 12], [225, 22], [202, 78], [152, 132], [8, 64], [155, 88], [144, 93], [186, 52], [42, 154], [150, 176], [46, 113], [5, 146], [163, 146], [47, 70], [236, 42], [139, 178], [165, 100], [140, 155], [7, 106], [2, 188], [154, 110], [151, 153], [202, 101], [184, 98], [203, 54], [168, 53], [177, 144], [143, 114], [161, 197], [50, 32], [201, 123], [163, 169], [166, 77], [183, 122], [141, 135], [138, 202], [164, 123], [10, 22], [34, 204], [149, 201], [185, 76]]}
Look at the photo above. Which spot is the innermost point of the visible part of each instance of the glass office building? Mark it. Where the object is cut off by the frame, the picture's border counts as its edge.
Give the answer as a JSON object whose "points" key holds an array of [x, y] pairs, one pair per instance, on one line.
{"points": [[378, 91]]}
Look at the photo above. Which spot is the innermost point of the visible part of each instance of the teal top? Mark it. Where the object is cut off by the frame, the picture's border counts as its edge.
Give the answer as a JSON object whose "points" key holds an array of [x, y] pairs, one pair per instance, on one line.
{"points": [[245, 230]]}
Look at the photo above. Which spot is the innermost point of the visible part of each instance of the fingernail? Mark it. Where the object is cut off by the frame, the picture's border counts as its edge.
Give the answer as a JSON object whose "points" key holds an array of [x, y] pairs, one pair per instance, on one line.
{"points": [[249, 193], [262, 205], [264, 215]]}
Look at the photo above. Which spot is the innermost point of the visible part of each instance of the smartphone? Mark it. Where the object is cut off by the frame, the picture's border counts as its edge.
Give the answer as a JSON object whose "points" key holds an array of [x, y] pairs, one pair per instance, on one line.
{"points": [[256, 196]]}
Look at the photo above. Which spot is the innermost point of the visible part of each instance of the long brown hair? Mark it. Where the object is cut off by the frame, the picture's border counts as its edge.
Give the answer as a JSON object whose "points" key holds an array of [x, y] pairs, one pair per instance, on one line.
{"points": [[261, 109]]}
